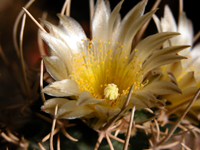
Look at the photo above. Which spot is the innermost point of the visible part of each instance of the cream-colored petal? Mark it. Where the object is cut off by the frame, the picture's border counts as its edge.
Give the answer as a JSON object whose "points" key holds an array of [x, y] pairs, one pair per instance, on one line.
{"points": [[165, 26], [108, 9], [133, 30], [113, 17], [100, 123], [175, 68], [87, 98], [100, 21], [195, 52], [172, 77], [108, 111], [129, 19], [71, 110], [53, 29], [141, 102], [169, 18], [49, 105], [187, 94], [65, 87], [186, 30], [144, 99], [55, 67], [72, 27], [147, 46], [187, 80], [147, 94], [115, 29], [160, 61], [162, 88], [157, 22], [73, 43], [170, 50], [60, 49]]}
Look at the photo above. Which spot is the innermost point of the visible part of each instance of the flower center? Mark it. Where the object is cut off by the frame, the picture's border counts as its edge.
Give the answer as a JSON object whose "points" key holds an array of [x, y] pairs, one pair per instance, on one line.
{"points": [[111, 91]]}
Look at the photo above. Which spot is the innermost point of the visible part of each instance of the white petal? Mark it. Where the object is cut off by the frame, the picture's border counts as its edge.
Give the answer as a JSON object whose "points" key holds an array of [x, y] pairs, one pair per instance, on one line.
{"points": [[55, 67], [195, 52], [49, 105], [100, 21], [161, 61], [170, 19], [175, 68], [87, 98], [115, 30], [162, 88], [59, 48], [129, 19], [157, 22], [65, 87], [186, 30], [113, 18], [134, 28], [72, 27], [188, 80], [144, 99], [72, 41], [147, 46], [187, 94], [71, 110], [108, 111]]}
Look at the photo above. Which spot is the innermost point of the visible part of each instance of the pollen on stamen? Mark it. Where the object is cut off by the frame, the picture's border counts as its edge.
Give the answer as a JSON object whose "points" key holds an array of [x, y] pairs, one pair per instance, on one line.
{"points": [[111, 91]]}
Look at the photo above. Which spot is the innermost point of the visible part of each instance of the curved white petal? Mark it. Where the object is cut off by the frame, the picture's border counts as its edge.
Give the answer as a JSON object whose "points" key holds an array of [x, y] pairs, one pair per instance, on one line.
{"points": [[186, 30], [100, 21], [71, 110], [147, 46], [72, 27], [108, 111], [162, 88], [187, 94], [195, 52], [161, 61], [55, 67], [170, 18], [65, 87], [175, 68], [134, 28], [73, 43], [188, 80], [129, 19], [157, 22], [113, 18], [49, 105], [87, 98], [60, 49]]}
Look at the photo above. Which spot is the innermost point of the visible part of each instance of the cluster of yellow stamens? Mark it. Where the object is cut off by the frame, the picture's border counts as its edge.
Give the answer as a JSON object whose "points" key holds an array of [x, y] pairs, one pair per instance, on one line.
{"points": [[106, 71]]}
